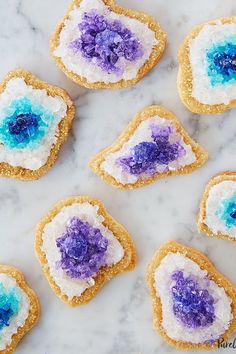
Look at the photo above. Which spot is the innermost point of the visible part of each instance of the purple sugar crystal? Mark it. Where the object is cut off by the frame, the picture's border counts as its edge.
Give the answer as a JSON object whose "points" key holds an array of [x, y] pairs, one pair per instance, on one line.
{"points": [[83, 249], [193, 306], [143, 159], [104, 42], [145, 156]]}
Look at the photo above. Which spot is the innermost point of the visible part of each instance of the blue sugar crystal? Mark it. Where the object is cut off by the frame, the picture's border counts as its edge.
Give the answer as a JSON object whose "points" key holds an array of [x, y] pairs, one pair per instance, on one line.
{"points": [[192, 305], [221, 60], [10, 300], [227, 211], [25, 124]]}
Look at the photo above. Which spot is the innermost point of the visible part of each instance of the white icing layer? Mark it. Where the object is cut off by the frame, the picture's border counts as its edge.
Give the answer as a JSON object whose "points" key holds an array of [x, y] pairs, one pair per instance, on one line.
{"points": [[54, 229], [31, 159], [171, 324], [143, 133], [77, 64], [202, 89], [217, 193], [17, 320]]}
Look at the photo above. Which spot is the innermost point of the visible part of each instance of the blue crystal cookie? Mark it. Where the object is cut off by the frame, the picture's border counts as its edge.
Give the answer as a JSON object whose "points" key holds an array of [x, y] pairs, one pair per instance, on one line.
{"points": [[19, 308], [80, 247], [99, 44], [154, 145], [217, 214], [193, 304], [207, 72], [35, 119]]}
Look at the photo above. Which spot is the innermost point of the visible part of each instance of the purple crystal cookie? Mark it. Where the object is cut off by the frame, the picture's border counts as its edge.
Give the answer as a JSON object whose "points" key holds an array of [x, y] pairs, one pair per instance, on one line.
{"points": [[101, 45], [193, 303], [80, 247], [153, 145]]}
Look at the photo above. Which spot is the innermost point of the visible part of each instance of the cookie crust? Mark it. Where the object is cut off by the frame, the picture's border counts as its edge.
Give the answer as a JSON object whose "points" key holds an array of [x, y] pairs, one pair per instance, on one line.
{"points": [[146, 113], [155, 56], [34, 312], [126, 264], [204, 263], [185, 77], [202, 227], [18, 172]]}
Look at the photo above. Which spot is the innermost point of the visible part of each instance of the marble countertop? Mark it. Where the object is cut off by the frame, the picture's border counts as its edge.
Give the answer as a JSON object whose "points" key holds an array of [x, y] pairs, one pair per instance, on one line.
{"points": [[119, 319]]}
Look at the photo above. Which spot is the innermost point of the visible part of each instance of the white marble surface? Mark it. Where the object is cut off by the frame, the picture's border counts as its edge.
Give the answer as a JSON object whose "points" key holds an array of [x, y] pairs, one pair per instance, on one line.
{"points": [[119, 320]]}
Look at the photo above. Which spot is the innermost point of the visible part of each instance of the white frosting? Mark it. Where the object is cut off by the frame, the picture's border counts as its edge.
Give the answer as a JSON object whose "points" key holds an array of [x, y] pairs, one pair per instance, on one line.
{"points": [[54, 229], [17, 320], [172, 326], [217, 193], [77, 64], [143, 133], [202, 89], [31, 159]]}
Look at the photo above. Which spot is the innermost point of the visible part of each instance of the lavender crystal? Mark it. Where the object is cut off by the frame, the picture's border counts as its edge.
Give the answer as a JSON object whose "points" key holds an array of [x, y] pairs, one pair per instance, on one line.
{"points": [[145, 156], [105, 42], [193, 306], [83, 249]]}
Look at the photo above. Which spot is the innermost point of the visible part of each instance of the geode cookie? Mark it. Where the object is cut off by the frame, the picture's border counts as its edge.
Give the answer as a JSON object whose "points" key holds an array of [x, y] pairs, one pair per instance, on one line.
{"points": [[217, 214], [153, 145], [207, 72], [80, 247], [99, 44], [19, 308], [35, 119], [194, 306]]}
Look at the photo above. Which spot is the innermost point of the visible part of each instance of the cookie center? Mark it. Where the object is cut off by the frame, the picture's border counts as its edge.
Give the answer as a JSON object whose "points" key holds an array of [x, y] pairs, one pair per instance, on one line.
{"points": [[9, 305], [227, 211], [82, 249], [145, 156], [104, 42], [221, 59], [192, 305], [23, 126]]}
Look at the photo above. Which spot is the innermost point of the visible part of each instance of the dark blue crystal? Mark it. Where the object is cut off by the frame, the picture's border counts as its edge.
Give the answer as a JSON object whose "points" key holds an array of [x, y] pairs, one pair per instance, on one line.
{"points": [[227, 211], [23, 126], [222, 62], [233, 213]]}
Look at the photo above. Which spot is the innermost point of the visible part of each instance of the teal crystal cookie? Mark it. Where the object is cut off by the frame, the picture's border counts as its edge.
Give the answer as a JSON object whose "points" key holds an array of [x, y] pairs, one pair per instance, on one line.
{"points": [[207, 67], [217, 215], [35, 119]]}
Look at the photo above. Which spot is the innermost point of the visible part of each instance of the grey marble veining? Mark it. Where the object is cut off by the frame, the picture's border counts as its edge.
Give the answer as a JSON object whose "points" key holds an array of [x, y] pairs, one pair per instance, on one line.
{"points": [[119, 319]]}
